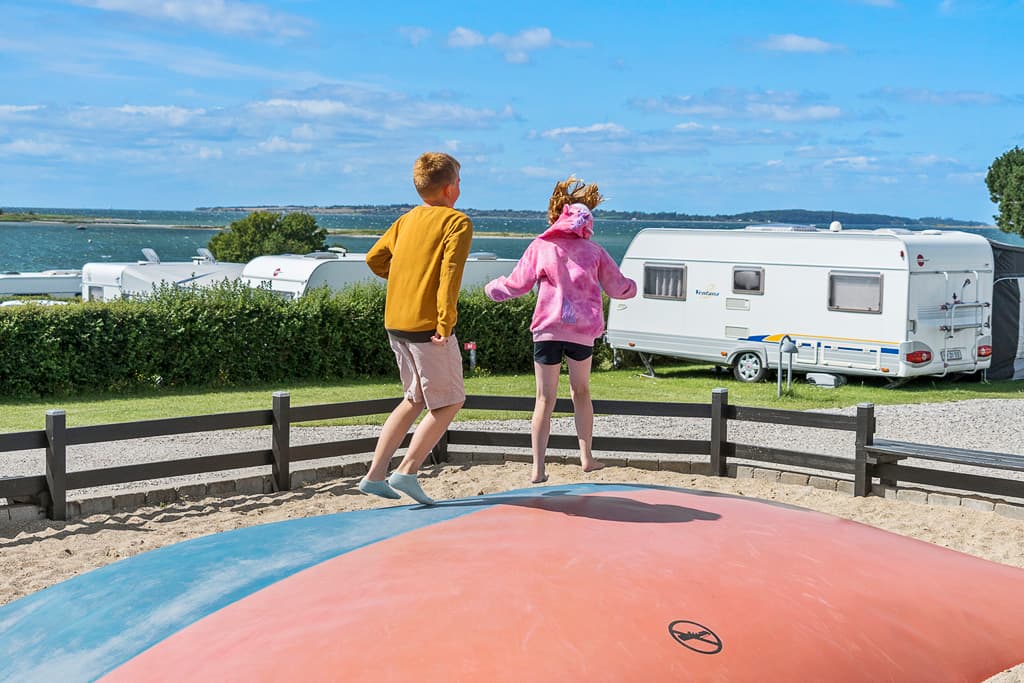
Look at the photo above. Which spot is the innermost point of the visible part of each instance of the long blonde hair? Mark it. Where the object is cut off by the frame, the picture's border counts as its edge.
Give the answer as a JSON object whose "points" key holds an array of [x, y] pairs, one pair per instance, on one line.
{"points": [[572, 190]]}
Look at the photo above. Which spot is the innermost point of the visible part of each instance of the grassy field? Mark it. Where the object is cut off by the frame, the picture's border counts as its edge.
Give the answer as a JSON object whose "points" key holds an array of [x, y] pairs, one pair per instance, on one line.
{"points": [[674, 383]]}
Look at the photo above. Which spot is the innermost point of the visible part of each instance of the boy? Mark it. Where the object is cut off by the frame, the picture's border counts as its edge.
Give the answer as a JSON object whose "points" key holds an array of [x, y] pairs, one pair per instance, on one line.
{"points": [[422, 256]]}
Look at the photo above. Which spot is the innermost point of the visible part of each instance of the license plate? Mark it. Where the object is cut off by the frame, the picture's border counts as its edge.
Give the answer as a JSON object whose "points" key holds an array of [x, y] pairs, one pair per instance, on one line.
{"points": [[952, 354]]}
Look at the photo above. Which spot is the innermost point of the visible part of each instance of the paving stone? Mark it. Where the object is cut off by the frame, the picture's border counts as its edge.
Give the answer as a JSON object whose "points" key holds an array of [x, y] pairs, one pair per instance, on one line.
{"points": [[765, 474], [647, 464], [823, 483], [192, 492], [944, 500], [330, 473], [221, 489], [25, 512], [744, 472], [303, 478], [518, 457], [912, 496], [679, 466], [488, 458], [793, 478], [97, 506], [978, 504], [129, 501], [158, 497], [355, 469], [1011, 511], [252, 486], [843, 486]]}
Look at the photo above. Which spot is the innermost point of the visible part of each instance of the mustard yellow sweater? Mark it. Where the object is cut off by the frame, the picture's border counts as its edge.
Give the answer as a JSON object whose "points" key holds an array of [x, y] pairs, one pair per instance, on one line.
{"points": [[422, 256]]}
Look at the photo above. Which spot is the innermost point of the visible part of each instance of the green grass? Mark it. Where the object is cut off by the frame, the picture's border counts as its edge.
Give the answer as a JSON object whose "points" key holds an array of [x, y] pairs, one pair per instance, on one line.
{"points": [[674, 383]]}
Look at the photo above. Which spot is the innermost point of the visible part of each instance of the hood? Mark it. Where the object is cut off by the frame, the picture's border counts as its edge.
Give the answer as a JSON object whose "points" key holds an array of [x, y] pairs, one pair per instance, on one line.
{"points": [[575, 221]]}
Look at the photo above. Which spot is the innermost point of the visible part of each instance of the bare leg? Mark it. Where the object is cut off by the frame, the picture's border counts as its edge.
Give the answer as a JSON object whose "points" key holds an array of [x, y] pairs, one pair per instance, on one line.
{"points": [[540, 426], [391, 435], [583, 410], [426, 436]]}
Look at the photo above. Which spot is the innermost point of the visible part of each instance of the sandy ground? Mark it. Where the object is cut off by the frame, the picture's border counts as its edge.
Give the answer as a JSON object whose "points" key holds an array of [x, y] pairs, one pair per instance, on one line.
{"points": [[34, 555]]}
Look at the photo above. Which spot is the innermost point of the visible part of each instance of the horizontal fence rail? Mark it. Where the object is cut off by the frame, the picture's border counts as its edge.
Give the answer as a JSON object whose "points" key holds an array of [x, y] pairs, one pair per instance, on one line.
{"points": [[867, 462]]}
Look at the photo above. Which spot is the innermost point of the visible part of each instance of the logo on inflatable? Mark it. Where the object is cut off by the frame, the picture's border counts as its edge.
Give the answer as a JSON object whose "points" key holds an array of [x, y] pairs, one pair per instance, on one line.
{"points": [[696, 637]]}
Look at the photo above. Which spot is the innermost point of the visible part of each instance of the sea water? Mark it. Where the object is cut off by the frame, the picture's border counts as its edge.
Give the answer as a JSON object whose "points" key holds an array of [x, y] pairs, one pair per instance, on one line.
{"points": [[34, 246]]}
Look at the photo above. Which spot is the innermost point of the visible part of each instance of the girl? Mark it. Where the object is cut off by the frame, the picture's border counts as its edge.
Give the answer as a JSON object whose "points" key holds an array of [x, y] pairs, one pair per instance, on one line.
{"points": [[571, 271]]}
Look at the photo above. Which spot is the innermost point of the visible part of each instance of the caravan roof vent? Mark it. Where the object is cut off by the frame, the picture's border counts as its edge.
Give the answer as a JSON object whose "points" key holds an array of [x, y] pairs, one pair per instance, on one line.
{"points": [[484, 256], [205, 256], [931, 231], [782, 227], [323, 255], [150, 255]]}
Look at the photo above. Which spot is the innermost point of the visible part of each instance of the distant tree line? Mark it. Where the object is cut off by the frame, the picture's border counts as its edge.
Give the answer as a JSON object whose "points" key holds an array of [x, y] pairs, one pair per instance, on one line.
{"points": [[799, 216]]}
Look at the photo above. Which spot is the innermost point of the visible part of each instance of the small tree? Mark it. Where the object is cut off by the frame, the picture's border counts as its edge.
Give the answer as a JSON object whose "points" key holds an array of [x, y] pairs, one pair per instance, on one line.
{"points": [[265, 232], [1005, 180]]}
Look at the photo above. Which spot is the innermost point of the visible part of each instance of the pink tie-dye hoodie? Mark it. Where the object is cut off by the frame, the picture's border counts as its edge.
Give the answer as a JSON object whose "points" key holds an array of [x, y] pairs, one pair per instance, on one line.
{"points": [[571, 271]]}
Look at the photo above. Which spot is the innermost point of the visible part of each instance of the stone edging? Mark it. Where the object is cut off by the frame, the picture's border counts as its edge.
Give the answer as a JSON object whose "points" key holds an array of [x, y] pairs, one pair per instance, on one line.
{"points": [[263, 484]]}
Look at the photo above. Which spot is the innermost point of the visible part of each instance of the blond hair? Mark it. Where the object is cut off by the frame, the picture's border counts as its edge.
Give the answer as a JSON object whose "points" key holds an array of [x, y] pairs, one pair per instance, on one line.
{"points": [[572, 190], [432, 171]]}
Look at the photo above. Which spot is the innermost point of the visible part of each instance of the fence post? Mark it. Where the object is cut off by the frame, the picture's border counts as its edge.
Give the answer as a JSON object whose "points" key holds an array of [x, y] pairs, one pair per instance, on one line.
{"points": [[719, 431], [57, 464], [280, 441], [439, 453], [865, 437]]}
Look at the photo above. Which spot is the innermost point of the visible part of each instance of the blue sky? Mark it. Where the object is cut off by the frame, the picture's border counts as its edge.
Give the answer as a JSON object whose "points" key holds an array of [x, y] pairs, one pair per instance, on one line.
{"points": [[881, 106]]}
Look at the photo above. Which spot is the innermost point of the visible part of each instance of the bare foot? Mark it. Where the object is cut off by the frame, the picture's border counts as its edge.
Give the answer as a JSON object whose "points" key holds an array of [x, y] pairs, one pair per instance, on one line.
{"points": [[594, 466], [539, 480]]}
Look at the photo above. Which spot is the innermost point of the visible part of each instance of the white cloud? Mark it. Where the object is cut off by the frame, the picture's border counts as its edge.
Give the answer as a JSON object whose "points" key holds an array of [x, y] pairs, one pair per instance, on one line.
{"points": [[278, 144], [464, 37], [726, 103], [951, 97], [414, 34], [793, 43], [378, 110], [209, 153], [318, 108], [218, 16], [858, 163], [12, 109], [33, 148], [167, 115], [604, 129], [516, 48], [787, 114]]}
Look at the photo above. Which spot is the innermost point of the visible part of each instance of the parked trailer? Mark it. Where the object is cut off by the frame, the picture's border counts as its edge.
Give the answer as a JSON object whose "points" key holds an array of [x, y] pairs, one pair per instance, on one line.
{"points": [[292, 275], [65, 284], [888, 302], [112, 281]]}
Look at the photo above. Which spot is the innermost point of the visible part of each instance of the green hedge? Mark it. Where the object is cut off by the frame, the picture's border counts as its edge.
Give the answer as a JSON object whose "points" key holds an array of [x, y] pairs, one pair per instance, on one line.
{"points": [[232, 335]]}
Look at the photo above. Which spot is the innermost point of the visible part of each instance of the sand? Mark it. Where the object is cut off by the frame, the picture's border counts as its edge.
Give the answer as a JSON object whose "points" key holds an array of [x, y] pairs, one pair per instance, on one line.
{"points": [[37, 554]]}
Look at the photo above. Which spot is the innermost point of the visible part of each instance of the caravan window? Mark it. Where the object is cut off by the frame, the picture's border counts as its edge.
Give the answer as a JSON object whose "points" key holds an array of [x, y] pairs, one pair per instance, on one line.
{"points": [[855, 292], [747, 280], [664, 282]]}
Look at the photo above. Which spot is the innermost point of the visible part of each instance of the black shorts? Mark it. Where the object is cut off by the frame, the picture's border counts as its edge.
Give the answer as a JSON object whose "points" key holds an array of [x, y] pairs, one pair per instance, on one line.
{"points": [[550, 352]]}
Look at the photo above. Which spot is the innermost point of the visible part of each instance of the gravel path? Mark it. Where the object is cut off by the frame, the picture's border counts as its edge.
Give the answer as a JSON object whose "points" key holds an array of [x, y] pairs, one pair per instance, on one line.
{"points": [[983, 424]]}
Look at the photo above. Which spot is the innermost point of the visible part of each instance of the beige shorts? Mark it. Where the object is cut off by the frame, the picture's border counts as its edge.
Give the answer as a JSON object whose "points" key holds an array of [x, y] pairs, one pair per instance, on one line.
{"points": [[431, 374]]}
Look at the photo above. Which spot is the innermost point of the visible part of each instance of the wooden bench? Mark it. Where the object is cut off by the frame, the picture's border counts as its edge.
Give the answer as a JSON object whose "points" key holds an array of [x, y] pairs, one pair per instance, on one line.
{"points": [[884, 456]]}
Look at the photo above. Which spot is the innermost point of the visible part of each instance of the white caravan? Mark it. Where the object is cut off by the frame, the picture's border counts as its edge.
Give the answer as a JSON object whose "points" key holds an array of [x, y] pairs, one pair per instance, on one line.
{"points": [[113, 281], [65, 284], [888, 302], [292, 275]]}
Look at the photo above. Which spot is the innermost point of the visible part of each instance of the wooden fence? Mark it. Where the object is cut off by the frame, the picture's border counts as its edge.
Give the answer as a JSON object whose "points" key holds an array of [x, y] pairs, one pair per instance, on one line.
{"points": [[51, 488]]}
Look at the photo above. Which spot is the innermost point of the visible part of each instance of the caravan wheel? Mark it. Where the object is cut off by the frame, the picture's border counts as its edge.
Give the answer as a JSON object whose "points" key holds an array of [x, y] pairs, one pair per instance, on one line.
{"points": [[749, 367]]}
